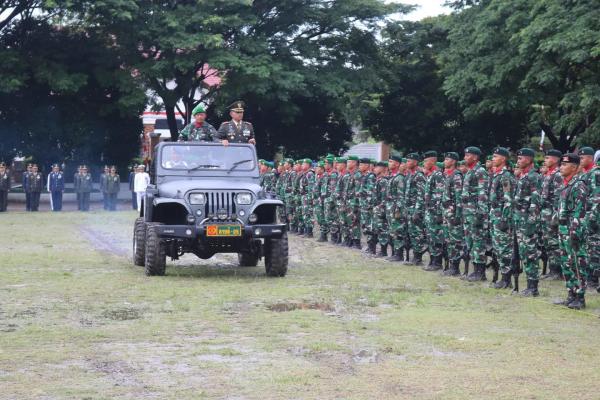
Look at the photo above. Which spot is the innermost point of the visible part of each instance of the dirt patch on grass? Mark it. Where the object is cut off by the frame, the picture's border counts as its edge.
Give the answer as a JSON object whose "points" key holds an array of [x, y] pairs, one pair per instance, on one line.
{"points": [[122, 314], [105, 243], [292, 306]]}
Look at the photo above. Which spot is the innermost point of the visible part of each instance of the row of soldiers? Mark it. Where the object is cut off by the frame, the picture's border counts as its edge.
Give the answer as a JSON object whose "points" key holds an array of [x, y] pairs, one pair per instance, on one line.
{"points": [[496, 215]]}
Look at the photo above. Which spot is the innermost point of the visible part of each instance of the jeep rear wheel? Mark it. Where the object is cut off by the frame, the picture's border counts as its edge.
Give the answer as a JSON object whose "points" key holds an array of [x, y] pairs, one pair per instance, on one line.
{"points": [[276, 256], [139, 242], [156, 258], [247, 259]]}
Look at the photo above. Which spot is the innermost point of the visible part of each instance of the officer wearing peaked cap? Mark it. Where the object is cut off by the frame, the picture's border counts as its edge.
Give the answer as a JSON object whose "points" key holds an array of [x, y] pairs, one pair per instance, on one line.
{"points": [[56, 187], [236, 130], [4, 187]]}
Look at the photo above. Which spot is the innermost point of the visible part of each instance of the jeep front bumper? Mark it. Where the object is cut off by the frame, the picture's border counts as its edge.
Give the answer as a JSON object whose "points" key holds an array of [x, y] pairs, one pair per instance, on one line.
{"points": [[193, 232]]}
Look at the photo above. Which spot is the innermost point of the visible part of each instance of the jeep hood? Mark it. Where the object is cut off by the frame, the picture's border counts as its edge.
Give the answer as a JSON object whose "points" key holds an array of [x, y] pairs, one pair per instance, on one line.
{"points": [[179, 187]]}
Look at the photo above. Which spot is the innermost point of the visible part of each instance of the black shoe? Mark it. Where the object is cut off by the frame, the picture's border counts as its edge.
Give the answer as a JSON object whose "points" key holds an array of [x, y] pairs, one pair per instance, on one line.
{"points": [[593, 282], [308, 233], [322, 238], [397, 256], [435, 264], [532, 289], [568, 300], [452, 270], [293, 229], [478, 274], [417, 259], [371, 248], [356, 244], [505, 282], [578, 303], [382, 251]]}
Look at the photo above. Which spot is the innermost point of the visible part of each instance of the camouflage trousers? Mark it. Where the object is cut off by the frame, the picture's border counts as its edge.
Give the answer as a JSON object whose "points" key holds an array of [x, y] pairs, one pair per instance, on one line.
{"points": [[396, 227], [319, 215], [475, 238], [503, 244], [345, 219], [593, 249], [435, 232], [528, 249], [416, 232], [353, 222], [366, 224], [329, 215], [307, 214], [297, 219], [289, 207], [573, 262], [550, 241], [381, 227], [454, 238]]}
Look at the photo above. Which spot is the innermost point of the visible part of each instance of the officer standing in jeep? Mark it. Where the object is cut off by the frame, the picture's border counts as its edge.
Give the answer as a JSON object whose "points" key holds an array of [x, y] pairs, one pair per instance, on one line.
{"points": [[236, 130], [199, 130]]}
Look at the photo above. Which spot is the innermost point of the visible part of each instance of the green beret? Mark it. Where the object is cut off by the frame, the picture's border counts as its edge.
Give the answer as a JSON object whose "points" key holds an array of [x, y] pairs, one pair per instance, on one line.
{"points": [[298, 162], [198, 109], [261, 161], [353, 158], [372, 161], [270, 164], [289, 160], [340, 159], [585, 151], [571, 158], [413, 156], [421, 164], [403, 161], [307, 161], [430, 154], [321, 164], [396, 157], [473, 150], [502, 151], [439, 164], [461, 162], [451, 154], [489, 158], [329, 155], [365, 160], [554, 153], [381, 164], [527, 152]]}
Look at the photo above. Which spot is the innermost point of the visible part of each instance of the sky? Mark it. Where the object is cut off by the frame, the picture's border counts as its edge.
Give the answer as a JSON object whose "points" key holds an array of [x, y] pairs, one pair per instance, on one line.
{"points": [[427, 8]]}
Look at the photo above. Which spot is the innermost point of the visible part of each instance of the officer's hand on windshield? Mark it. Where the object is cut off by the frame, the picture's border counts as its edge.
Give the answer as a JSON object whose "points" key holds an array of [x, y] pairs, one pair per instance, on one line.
{"points": [[225, 142], [253, 141]]}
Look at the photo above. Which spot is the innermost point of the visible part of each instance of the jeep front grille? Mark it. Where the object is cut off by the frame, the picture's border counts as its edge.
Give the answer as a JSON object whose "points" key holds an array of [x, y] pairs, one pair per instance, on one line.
{"points": [[215, 200]]}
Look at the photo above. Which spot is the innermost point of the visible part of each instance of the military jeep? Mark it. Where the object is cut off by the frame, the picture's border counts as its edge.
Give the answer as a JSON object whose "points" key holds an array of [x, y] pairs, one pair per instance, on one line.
{"points": [[205, 198]]}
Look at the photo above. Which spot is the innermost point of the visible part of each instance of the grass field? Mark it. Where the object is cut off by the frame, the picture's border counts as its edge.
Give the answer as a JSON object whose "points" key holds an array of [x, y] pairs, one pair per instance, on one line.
{"points": [[79, 321]]}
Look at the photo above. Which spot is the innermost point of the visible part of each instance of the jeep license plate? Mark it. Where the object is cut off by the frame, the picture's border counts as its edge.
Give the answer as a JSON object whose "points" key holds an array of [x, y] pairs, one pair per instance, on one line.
{"points": [[223, 230]]}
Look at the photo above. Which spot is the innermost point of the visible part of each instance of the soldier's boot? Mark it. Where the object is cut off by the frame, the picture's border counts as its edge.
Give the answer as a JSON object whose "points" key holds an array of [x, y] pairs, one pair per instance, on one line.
{"points": [[430, 261], [293, 228], [435, 264], [417, 259], [322, 238], [593, 281], [505, 282], [397, 255], [308, 232], [465, 274], [478, 273], [578, 303], [554, 273], [532, 289], [371, 248], [349, 242], [382, 251], [356, 244], [453, 269], [407, 258], [568, 300]]}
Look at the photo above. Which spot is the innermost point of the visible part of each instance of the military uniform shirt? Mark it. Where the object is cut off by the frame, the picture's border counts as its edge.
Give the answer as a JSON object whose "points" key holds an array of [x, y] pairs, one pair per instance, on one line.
{"points": [[193, 133], [236, 133]]}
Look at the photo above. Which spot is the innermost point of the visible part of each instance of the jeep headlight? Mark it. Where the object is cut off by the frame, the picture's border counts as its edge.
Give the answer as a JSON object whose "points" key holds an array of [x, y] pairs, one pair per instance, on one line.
{"points": [[243, 198], [197, 198]]}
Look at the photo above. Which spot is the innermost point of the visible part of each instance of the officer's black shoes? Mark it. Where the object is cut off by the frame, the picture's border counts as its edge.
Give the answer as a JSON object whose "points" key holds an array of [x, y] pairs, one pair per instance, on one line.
{"points": [[568, 300], [356, 244], [578, 303], [322, 238], [435, 263], [504, 283], [417, 259], [532, 289], [478, 274], [382, 251], [453, 269]]}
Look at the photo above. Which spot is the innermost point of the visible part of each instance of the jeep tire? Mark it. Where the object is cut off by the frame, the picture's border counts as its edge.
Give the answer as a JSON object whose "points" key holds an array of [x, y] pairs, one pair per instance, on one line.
{"points": [[155, 253], [139, 242], [247, 259], [276, 256]]}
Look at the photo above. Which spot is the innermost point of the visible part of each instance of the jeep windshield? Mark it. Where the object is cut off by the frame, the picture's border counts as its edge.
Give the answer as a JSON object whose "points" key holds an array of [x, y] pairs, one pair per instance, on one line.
{"points": [[214, 158]]}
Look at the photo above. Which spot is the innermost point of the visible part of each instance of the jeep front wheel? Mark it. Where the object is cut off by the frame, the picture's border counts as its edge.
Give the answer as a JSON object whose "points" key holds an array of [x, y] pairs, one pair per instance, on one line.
{"points": [[156, 258], [139, 242], [276, 256]]}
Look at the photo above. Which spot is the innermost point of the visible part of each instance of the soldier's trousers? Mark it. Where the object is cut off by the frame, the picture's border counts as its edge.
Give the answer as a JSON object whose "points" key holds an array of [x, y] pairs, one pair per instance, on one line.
{"points": [[345, 218], [355, 232], [381, 226], [56, 200], [106, 201], [3, 200], [528, 250], [79, 200], [112, 201], [572, 263], [307, 216], [34, 201], [319, 216], [84, 201], [416, 232], [27, 201], [289, 208], [550, 242], [435, 233], [329, 214], [367, 226], [396, 228], [454, 237], [502, 245], [133, 200], [475, 238]]}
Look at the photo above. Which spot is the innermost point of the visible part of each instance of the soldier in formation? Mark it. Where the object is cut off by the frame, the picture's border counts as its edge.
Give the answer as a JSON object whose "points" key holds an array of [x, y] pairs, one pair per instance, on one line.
{"points": [[4, 187], [56, 187], [510, 218]]}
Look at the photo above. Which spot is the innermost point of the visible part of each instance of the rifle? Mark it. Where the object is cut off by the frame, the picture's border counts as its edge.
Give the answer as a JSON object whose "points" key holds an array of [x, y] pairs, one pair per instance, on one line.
{"points": [[516, 263]]}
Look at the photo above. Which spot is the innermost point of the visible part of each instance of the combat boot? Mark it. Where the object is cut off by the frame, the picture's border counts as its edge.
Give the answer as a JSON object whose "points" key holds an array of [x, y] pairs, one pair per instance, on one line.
{"points": [[293, 229], [308, 233], [417, 259], [349, 242], [435, 264], [371, 248], [505, 282], [382, 251], [453, 269], [478, 274], [466, 261], [554, 273], [356, 244], [407, 258], [578, 303], [568, 300], [397, 255], [300, 231], [592, 281], [532, 289], [322, 238]]}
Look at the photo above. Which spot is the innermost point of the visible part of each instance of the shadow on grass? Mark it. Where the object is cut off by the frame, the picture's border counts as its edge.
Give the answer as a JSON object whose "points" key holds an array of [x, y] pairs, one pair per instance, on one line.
{"points": [[216, 271]]}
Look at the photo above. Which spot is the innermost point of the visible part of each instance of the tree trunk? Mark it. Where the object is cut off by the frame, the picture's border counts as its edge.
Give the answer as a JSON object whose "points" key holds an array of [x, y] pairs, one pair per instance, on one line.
{"points": [[172, 122]]}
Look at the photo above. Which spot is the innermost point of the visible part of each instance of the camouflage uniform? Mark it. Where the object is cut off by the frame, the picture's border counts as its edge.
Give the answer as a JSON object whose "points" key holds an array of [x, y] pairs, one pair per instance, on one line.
{"points": [[194, 133], [297, 220], [352, 201], [318, 201], [395, 212], [501, 220], [307, 187], [288, 188], [327, 193], [593, 224], [430, 204], [571, 229], [475, 208], [340, 220], [379, 213], [415, 189], [366, 195], [527, 218], [453, 227], [268, 182], [550, 195]]}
